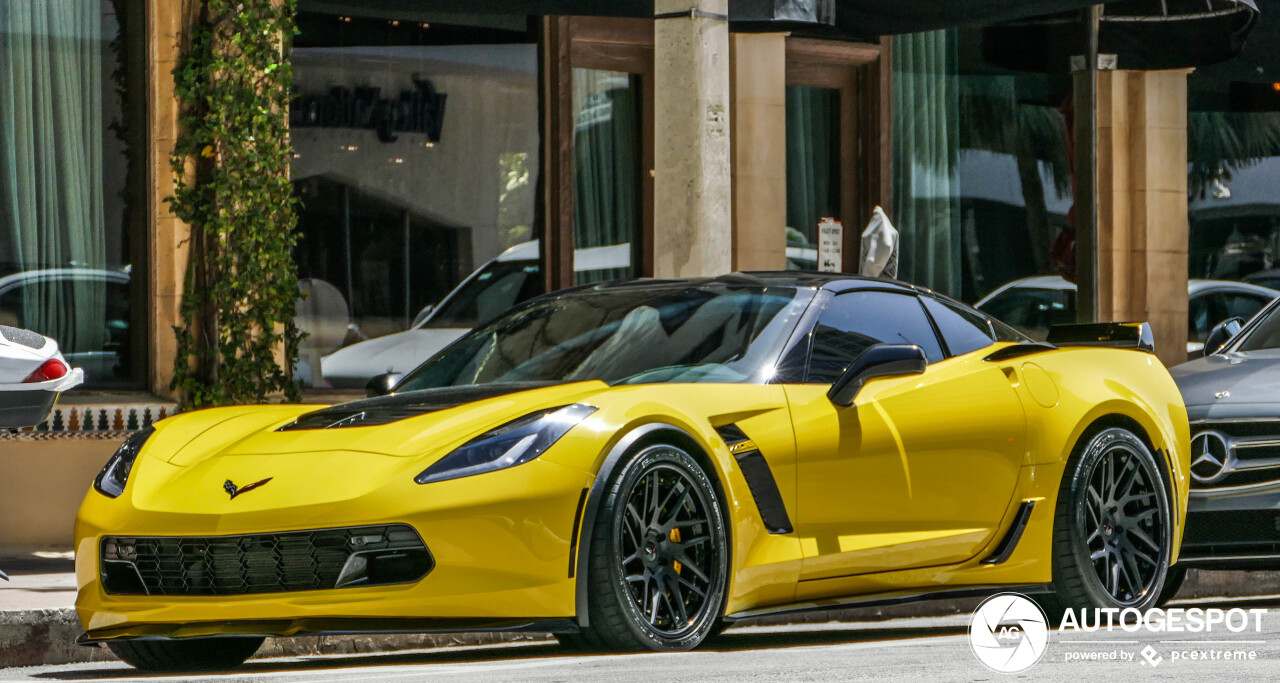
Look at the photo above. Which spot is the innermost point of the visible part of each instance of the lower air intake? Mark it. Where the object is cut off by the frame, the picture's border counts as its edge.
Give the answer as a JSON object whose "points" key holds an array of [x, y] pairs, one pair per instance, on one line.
{"points": [[263, 563]]}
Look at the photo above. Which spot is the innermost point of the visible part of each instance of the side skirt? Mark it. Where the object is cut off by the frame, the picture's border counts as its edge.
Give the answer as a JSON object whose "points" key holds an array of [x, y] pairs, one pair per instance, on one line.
{"points": [[883, 599], [328, 627]]}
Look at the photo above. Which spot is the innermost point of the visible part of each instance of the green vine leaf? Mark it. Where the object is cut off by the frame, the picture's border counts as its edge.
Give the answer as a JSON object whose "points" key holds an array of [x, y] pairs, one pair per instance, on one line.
{"points": [[237, 340]]}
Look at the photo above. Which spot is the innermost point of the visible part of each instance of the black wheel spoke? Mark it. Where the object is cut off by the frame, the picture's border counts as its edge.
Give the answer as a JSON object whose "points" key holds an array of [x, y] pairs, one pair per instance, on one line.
{"points": [[691, 585]]}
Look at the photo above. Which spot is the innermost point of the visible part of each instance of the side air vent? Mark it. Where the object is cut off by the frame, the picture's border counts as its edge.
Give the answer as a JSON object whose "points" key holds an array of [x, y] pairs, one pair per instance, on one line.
{"points": [[755, 469]]}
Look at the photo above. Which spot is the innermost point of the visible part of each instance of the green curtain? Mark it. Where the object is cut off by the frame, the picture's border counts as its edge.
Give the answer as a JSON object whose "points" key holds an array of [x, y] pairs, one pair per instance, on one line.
{"points": [[813, 154], [926, 188], [51, 127], [605, 162]]}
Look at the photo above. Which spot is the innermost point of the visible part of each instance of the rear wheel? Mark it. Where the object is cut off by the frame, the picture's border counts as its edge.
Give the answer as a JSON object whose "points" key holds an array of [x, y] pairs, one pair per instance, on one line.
{"points": [[186, 654], [1112, 533], [659, 557]]}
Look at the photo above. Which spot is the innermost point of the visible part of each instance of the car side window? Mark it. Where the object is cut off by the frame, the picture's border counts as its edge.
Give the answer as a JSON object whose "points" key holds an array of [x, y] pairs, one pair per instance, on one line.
{"points": [[1244, 305], [1204, 312], [855, 321], [962, 330]]}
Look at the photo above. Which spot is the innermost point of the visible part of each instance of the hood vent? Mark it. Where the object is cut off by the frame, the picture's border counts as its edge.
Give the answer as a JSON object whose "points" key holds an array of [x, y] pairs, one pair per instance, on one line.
{"points": [[386, 409]]}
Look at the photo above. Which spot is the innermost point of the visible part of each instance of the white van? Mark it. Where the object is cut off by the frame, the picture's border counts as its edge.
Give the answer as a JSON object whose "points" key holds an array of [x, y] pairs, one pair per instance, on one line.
{"points": [[511, 278]]}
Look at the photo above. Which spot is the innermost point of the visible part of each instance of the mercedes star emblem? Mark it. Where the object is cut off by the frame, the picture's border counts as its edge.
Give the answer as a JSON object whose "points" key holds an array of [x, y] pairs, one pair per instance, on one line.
{"points": [[1209, 457]]}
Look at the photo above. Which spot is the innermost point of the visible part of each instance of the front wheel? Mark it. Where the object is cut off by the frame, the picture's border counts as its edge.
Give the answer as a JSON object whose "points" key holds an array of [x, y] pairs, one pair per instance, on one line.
{"points": [[658, 562], [186, 654], [1113, 531]]}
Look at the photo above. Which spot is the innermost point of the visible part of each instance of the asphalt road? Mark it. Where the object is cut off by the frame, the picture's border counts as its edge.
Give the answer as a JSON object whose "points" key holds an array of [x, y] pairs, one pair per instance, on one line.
{"points": [[917, 650]]}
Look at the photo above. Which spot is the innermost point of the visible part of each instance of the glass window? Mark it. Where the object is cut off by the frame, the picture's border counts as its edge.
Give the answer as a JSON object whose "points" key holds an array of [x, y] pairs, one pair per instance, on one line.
{"points": [[497, 287], [981, 180], [416, 155], [854, 322], [64, 264], [1203, 313], [629, 335], [1244, 305], [1032, 310], [606, 165], [1233, 154], [962, 330], [813, 169]]}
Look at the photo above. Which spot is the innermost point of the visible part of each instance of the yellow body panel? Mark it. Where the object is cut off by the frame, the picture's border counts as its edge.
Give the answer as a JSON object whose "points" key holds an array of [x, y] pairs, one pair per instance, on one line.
{"points": [[905, 492]]}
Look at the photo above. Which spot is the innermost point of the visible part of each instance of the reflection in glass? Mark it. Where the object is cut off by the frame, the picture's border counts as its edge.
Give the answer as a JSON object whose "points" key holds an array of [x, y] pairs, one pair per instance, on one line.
{"points": [[606, 160], [981, 183], [416, 164], [813, 169], [1234, 182], [63, 252], [630, 335]]}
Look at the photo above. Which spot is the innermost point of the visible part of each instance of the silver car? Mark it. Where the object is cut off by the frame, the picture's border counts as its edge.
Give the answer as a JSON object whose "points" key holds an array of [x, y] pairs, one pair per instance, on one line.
{"points": [[1233, 402], [1034, 304]]}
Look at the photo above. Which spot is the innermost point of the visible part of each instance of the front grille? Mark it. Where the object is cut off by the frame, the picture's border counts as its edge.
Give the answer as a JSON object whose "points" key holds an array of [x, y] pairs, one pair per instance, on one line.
{"points": [[1227, 454], [1240, 428], [263, 563]]}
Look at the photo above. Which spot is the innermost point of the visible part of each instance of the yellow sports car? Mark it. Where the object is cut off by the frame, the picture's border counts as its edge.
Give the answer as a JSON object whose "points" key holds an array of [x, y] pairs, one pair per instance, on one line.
{"points": [[634, 465]]}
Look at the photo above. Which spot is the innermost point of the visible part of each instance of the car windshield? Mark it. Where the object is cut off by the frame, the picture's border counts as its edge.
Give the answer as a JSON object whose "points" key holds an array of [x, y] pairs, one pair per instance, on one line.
{"points": [[627, 335], [497, 287], [1266, 335]]}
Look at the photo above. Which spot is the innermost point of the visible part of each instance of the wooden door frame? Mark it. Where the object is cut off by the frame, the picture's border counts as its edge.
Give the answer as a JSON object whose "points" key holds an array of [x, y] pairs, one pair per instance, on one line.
{"points": [[611, 44], [861, 74]]}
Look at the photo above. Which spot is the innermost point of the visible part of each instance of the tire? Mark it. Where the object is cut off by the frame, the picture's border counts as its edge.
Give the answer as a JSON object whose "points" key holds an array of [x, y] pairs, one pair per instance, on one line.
{"points": [[1172, 584], [186, 654], [1124, 537], [658, 541]]}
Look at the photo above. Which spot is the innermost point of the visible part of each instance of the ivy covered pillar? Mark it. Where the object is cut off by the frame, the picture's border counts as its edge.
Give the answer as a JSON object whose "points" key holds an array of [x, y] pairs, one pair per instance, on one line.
{"points": [[235, 336]]}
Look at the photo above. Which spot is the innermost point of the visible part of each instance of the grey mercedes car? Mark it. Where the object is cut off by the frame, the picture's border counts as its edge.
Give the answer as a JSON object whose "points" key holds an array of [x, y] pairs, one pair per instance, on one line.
{"points": [[1233, 402]]}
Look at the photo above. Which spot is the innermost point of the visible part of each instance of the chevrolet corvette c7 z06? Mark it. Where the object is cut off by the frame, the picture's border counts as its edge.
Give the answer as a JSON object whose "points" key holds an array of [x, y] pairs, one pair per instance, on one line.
{"points": [[634, 465]]}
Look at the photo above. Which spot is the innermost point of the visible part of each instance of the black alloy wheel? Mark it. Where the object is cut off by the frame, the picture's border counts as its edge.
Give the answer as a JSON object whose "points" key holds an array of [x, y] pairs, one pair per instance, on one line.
{"points": [[1124, 527], [1112, 536], [659, 556]]}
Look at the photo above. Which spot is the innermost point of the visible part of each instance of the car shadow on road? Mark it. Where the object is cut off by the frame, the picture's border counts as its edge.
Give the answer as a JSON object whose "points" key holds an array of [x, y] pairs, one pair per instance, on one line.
{"points": [[731, 641]]}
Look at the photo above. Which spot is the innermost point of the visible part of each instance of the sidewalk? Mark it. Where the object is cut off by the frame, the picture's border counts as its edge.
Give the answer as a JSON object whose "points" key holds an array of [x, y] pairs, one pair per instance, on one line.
{"points": [[38, 582], [38, 624]]}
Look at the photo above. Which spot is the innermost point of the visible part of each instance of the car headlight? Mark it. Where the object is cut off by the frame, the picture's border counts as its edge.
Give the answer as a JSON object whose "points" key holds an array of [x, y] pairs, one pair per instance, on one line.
{"points": [[111, 479], [515, 442]]}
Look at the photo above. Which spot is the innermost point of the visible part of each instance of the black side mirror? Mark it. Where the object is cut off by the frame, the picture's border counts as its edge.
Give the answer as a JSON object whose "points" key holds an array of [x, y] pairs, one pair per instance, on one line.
{"points": [[1222, 333], [382, 384], [881, 360]]}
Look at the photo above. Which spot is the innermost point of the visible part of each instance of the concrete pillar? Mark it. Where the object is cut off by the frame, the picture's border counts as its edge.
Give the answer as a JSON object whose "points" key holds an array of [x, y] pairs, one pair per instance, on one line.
{"points": [[1142, 203], [692, 232], [758, 90]]}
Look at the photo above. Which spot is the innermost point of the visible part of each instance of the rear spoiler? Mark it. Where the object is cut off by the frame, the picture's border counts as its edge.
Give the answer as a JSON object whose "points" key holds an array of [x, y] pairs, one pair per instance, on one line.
{"points": [[1135, 335]]}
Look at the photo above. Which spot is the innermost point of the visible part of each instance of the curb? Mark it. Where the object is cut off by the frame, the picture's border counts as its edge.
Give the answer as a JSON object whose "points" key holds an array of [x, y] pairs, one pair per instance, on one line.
{"points": [[47, 637]]}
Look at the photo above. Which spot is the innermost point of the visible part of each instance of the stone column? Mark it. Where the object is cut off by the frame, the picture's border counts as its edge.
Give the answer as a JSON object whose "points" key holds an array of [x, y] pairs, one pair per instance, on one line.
{"points": [[1142, 203], [758, 88], [692, 232], [168, 27]]}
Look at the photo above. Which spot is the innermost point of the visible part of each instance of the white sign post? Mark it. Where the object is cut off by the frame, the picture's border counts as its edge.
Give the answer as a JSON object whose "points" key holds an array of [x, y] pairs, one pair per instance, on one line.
{"points": [[830, 245]]}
